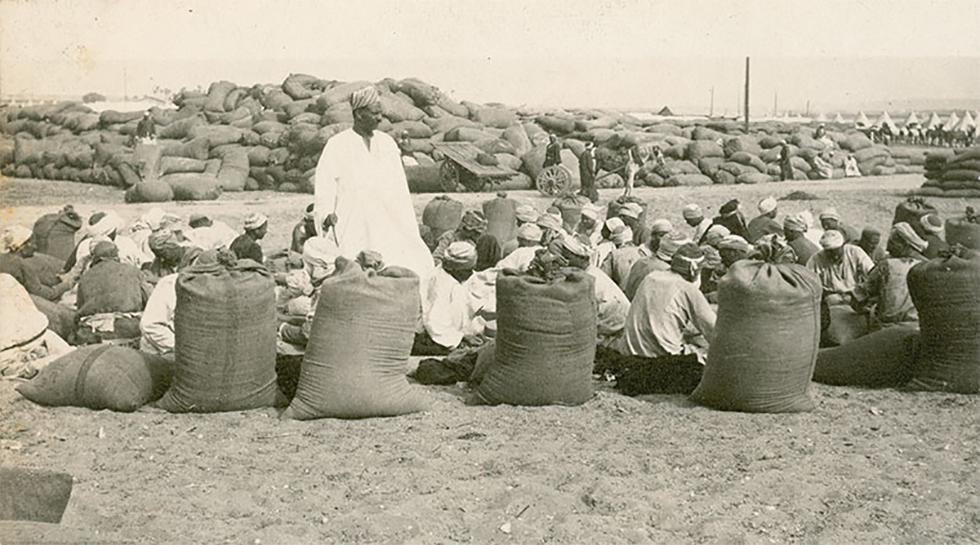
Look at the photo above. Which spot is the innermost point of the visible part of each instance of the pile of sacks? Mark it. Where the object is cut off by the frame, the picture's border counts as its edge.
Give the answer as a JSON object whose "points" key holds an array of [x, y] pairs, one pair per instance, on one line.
{"points": [[952, 173], [269, 136]]}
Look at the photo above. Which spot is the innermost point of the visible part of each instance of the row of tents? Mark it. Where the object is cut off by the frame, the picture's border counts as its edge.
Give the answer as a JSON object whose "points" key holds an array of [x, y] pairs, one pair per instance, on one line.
{"points": [[954, 123]]}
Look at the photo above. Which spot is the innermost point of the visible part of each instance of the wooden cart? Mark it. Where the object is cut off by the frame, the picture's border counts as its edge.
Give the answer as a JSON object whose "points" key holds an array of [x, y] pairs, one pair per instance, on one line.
{"points": [[460, 171]]}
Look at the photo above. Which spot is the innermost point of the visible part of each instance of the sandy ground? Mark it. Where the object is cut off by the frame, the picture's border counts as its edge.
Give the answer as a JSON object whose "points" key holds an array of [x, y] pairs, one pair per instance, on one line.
{"points": [[878, 467]]}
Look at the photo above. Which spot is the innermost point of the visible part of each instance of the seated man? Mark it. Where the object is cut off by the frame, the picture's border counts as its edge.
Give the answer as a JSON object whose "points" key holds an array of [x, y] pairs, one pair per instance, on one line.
{"points": [[730, 217], [111, 297], [765, 223], [932, 227], [157, 322], [830, 219], [528, 243], [870, 242], [588, 227], [168, 251], [630, 213], [794, 229], [449, 312], [667, 246], [619, 262], [246, 246], [19, 249], [885, 293], [102, 226], [694, 218], [841, 267], [319, 263], [208, 234], [303, 230], [26, 343], [473, 229]]}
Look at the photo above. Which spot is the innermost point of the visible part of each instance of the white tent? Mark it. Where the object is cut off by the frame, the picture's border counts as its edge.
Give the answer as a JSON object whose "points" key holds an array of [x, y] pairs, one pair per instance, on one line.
{"points": [[934, 121], [839, 119], [821, 118], [912, 119], [886, 120], [952, 122], [862, 121], [965, 124]]}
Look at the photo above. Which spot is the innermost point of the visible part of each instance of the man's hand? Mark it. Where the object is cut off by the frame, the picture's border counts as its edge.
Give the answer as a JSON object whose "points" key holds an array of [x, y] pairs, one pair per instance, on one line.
{"points": [[329, 221]]}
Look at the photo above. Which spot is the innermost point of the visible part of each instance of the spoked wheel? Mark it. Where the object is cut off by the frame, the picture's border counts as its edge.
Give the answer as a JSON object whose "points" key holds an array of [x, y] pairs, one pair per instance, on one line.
{"points": [[449, 176], [472, 182], [554, 180]]}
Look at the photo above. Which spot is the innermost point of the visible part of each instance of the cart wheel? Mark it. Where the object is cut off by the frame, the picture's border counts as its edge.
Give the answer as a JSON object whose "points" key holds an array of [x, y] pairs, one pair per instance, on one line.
{"points": [[449, 176], [472, 182], [554, 180]]}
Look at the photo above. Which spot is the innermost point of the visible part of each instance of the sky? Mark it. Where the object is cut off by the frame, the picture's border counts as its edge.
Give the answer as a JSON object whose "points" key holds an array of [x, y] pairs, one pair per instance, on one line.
{"points": [[571, 53]]}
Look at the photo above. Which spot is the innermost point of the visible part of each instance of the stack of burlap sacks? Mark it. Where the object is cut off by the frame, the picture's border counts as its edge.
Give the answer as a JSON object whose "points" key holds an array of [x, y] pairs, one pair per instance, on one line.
{"points": [[269, 136], [952, 173]]}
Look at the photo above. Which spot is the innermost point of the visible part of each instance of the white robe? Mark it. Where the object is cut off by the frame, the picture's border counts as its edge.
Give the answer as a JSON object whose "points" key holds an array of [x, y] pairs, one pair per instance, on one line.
{"points": [[367, 190], [449, 310]]}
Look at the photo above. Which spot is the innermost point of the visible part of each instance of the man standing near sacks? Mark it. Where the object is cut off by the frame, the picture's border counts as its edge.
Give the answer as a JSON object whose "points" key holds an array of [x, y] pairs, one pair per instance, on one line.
{"points": [[587, 172], [361, 194]]}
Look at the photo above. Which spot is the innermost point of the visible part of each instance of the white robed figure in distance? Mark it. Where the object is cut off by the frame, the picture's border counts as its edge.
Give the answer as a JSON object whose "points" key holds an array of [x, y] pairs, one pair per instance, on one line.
{"points": [[361, 193]]}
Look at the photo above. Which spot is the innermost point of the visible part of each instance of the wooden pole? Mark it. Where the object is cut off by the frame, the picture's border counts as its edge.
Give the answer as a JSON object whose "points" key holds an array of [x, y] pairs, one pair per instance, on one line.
{"points": [[711, 108], [746, 94]]}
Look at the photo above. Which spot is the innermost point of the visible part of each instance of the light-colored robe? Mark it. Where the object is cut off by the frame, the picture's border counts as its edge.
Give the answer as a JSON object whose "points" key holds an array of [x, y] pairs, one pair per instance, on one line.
{"points": [[367, 190]]}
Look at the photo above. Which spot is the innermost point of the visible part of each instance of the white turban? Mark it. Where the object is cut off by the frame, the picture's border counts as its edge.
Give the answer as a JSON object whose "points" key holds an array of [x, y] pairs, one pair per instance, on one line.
{"points": [[767, 205], [831, 239], [364, 97], [529, 231], [319, 255], [255, 220], [14, 237], [590, 211], [692, 212], [107, 225], [459, 255]]}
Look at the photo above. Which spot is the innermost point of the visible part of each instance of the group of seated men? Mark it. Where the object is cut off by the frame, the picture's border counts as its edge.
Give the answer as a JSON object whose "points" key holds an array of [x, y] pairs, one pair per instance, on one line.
{"points": [[655, 283]]}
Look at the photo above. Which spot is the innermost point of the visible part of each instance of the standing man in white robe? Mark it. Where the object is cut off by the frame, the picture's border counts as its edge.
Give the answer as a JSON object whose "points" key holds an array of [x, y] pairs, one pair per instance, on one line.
{"points": [[361, 193]]}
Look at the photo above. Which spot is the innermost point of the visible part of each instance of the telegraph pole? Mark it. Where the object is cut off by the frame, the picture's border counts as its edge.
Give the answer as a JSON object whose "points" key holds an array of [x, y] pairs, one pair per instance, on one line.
{"points": [[711, 108], [775, 104], [746, 94], [125, 86]]}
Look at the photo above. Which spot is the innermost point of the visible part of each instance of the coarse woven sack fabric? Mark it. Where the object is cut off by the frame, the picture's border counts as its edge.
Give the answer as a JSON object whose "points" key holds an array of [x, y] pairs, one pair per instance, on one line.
{"points": [[225, 346], [946, 292], [501, 214], [545, 344], [360, 341], [766, 340], [442, 214], [100, 377], [879, 360]]}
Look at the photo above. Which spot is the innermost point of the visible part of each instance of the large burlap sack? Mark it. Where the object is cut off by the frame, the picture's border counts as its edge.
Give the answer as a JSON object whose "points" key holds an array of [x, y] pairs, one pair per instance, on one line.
{"points": [[500, 118], [396, 109], [217, 93], [421, 92], [360, 342], [700, 149], [753, 178], [170, 165], [442, 214], [179, 129], [54, 234], [100, 377], [301, 86], [225, 333], [217, 135], [150, 191], [946, 292], [545, 343], [501, 214], [518, 138], [766, 340], [112, 117], [190, 186], [964, 230], [911, 211], [881, 359], [687, 179], [234, 168], [193, 149], [558, 125]]}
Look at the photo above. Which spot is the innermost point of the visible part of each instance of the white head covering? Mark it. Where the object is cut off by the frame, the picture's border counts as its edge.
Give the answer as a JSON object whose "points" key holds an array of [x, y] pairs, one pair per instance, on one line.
{"points": [[319, 255], [527, 213], [905, 231], [832, 239], [767, 205], [692, 211], [591, 211], [529, 231], [613, 224], [14, 237], [630, 210], [364, 97], [621, 235], [661, 226], [255, 220], [459, 255], [932, 223], [106, 226]]}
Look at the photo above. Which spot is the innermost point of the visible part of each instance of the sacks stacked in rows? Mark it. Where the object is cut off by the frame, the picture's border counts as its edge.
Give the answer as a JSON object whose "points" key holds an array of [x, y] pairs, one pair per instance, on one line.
{"points": [[360, 342], [953, 174], [766, 339], [545, 342], [100, 377], [225, 339]]}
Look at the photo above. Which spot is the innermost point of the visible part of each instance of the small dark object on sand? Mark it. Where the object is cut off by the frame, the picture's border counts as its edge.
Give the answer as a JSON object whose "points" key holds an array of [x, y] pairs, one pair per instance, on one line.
{"points": [[800, 196]]}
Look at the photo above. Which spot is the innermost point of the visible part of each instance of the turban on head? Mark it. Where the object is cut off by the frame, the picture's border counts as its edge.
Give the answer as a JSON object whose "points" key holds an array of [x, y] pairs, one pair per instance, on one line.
{"points": [[614, 224], [529, 231], [630, 210], [549, 221], [254, 221], [572, 251], [795, 223], [364, 97], [729, 208], [473, 220], [715, 234], [308, 215], [693, 212], [106, 224], [669, 245], [806, 217], [298, 283], [621, 235], [460, 255], [831, 239], [15, 237], [767, 205], [906, 233], [319, 256], [735, 242], [199, 220], [830, 214], [932, 223], [164, 238], [687, 260], [590, 211], [527, 213], [661, 226], [712, 259]]}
